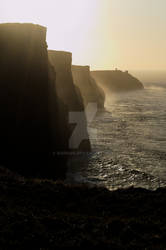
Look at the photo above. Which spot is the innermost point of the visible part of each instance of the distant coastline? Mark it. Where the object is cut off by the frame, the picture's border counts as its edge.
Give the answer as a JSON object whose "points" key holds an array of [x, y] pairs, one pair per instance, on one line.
{"points": [[150, 76]]}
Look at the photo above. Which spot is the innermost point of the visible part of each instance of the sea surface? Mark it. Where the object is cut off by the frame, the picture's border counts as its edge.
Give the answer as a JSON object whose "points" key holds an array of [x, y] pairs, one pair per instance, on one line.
{"points": [[128, 142]]}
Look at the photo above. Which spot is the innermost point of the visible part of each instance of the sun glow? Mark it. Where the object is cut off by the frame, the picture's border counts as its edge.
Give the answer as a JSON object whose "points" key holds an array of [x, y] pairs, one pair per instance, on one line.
{"points": [[68, 22], [106, 34]]}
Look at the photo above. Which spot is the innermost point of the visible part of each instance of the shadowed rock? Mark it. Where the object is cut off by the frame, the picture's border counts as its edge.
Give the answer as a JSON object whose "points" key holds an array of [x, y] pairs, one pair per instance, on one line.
{"points": [[71, 97], [26, 102], [90, 91], [116, 81]]}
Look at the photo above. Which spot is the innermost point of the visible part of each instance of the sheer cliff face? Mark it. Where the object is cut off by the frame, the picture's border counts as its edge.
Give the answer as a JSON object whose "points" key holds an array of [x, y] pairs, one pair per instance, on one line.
{"points": [[23, 87], [70, 95], [28, 103], [66, 91], [90, 91], [116, 81]]}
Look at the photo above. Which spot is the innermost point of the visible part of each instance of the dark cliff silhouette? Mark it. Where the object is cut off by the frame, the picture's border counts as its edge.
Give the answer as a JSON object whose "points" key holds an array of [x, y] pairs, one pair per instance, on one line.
{"points": [[70, 95], [90, 91], [28, 102], [116, 81]]}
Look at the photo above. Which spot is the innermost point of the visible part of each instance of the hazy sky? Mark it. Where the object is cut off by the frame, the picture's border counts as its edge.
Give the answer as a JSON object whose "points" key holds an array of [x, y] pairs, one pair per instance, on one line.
{"points": [[127, 34]]}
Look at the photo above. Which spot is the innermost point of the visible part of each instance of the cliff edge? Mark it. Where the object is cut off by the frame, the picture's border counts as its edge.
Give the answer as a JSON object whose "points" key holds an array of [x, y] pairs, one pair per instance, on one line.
{"points": [[27, 143], [90, 91], [70, 95], [116, 81]]}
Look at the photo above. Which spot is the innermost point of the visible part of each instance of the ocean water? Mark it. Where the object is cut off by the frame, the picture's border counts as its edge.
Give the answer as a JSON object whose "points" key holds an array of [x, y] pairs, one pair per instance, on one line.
{"points": [[128, 142]]}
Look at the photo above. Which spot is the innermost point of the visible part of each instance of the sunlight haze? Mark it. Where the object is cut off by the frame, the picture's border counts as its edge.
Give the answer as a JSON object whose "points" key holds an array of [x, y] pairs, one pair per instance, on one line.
{"points": [[127, 34]]}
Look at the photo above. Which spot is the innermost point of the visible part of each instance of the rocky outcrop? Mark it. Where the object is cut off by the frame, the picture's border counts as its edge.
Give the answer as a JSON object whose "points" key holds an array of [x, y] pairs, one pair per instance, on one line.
{"points": [[116, 81], [90, 91], [71, 96], [28, 103]]}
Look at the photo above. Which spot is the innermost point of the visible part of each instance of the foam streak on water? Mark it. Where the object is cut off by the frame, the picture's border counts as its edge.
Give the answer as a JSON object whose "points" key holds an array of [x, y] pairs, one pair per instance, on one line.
{"points": [[130, 148]]}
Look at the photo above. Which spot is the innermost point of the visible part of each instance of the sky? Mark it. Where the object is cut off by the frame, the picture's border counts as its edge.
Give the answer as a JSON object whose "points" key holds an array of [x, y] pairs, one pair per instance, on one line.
{"points": [[105, 34]]}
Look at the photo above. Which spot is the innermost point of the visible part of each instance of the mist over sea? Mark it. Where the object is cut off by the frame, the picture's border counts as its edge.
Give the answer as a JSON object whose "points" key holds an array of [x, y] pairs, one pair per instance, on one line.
{"points": [[130, 146]]}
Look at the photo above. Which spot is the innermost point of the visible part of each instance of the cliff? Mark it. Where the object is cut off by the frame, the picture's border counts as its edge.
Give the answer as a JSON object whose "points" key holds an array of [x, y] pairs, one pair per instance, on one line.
{"points": [[48, 215], [71, 97], [116, 81], [26, 141], [90, 91]]}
